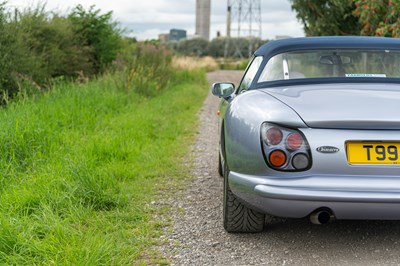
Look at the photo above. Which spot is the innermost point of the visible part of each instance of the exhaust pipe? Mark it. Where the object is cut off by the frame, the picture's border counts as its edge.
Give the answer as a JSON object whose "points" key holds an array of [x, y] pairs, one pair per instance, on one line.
{"points": [[322, 217]]}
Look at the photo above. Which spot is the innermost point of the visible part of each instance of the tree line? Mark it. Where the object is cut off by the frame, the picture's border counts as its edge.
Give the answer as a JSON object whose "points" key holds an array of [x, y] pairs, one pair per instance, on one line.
{"points": [[319, 18], [348, 17], [218, 47]]}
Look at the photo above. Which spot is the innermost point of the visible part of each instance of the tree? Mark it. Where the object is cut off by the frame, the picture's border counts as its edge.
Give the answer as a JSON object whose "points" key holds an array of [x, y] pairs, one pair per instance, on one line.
{"points": [[193, 47], [379, 18], [234, 47], [98, 32], [48, 45], [327, 17]]}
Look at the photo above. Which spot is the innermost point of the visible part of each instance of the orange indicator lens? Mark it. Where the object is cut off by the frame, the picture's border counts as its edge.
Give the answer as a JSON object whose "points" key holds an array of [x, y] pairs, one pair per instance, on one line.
{"points": [[277, 158]]}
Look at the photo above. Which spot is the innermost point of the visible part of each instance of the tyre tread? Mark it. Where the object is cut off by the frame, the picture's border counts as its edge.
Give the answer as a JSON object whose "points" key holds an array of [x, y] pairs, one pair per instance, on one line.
{"points": [[238, 218]]}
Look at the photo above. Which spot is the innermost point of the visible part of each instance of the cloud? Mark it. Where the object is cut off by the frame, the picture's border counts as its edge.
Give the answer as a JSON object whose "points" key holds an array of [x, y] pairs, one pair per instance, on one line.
{"points": [[146, 19]]}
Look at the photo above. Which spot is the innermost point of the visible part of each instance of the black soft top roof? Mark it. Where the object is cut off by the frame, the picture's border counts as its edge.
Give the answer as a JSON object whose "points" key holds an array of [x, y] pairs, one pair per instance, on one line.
{"points": [[330, 42]]}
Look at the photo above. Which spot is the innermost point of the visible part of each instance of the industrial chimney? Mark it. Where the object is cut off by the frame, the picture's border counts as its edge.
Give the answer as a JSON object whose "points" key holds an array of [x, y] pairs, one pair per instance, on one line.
{"points": [[203, 11]]}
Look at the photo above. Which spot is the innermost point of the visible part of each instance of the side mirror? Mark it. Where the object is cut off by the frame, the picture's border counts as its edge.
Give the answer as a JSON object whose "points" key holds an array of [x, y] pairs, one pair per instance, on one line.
{"points": [[223, 90]]}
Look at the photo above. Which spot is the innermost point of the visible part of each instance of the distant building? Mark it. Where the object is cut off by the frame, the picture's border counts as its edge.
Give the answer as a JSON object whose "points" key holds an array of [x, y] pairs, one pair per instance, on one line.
{"points": [[164, 37], [176, 35], [203, 12]]}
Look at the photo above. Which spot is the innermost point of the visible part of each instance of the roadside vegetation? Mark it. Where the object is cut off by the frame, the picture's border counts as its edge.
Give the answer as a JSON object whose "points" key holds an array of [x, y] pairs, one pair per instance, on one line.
{"points": [[81, 165], [38, 47], [94, 129], [220, 47]]}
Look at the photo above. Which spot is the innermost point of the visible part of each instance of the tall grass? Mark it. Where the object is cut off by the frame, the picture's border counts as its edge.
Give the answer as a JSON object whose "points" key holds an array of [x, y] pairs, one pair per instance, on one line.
{"points": [[191, 63], [81, 164], [146, 69]]}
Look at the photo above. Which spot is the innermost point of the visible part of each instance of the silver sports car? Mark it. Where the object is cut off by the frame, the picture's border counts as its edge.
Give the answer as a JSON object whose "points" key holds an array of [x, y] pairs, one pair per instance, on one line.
{"points": [[312, 130]]}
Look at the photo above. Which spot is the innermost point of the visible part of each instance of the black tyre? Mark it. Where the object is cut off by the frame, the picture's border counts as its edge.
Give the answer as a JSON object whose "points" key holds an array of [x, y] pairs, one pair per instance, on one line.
{"points": [[238, 218], [222, 148], [220, 170]]}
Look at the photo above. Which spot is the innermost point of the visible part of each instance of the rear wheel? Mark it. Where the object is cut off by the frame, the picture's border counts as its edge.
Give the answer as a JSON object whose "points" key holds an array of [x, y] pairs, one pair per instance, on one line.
{"points": [[238, 218], [222, 148], [220, 168]]}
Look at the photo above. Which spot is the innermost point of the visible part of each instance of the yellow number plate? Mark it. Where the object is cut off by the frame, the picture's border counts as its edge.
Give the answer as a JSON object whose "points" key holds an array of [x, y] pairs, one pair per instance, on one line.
{"points": [[373, 152]]}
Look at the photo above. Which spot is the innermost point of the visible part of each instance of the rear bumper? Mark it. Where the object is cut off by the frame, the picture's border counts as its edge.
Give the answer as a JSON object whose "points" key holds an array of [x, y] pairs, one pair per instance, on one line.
{"points": [[351, 197]]}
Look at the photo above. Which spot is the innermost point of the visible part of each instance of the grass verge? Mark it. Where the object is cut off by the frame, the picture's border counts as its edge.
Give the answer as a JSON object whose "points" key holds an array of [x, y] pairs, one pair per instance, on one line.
{"points": [[81, 165]]}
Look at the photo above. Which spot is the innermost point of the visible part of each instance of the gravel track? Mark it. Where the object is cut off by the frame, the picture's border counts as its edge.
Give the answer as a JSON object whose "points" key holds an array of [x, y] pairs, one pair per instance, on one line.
{"points": [[197, 236]]}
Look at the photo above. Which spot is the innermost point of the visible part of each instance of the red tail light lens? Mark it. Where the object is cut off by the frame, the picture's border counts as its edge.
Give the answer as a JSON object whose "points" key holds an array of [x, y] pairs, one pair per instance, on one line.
{"points": [[285, 149], [294, 141], [274, 136]]}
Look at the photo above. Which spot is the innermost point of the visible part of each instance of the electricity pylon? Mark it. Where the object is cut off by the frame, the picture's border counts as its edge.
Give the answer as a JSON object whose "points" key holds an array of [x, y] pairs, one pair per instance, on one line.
{"points": [[243, 21]]}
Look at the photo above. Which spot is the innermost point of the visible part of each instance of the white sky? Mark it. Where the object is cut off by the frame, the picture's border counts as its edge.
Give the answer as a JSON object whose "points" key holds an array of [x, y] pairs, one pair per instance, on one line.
{"points": [[145, 19]]}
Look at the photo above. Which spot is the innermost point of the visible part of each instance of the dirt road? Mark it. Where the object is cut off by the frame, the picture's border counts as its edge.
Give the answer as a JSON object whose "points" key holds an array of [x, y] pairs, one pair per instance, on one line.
{"points": [[198, 237]]}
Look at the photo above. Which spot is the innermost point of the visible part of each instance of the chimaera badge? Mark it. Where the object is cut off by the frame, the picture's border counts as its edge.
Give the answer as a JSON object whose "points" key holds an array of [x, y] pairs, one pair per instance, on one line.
{"points": [[327, 149]]}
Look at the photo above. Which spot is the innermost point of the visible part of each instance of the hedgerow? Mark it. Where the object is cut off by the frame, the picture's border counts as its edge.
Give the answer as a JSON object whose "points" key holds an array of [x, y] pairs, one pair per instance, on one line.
{"points": [[37, 46]]}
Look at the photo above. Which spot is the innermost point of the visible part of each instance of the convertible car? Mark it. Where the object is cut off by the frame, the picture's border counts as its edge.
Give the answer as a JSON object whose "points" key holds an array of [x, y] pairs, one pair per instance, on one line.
{"points": [[313, 130]]}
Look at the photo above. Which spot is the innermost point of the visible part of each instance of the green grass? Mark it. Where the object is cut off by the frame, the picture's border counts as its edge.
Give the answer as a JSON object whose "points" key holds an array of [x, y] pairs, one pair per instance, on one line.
{"points": [[81, 164]]}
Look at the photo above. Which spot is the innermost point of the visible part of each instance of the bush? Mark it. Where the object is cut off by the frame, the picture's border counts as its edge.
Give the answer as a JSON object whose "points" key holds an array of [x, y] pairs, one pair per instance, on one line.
{"points": [[99, 33], [193, 47], [219, 47], [37, 47], [49, 46], [9, 53], [234, 47]]}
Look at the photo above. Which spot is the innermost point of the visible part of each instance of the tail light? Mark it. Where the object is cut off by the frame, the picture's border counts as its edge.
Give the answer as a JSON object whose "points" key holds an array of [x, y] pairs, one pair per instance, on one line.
{"points": [[285, 149], [273, 136], [294, 141], [277, 158]]}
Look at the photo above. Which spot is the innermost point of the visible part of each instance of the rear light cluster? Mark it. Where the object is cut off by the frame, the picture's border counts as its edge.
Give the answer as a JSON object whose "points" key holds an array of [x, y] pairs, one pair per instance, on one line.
{"points": [[285, 149]]}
